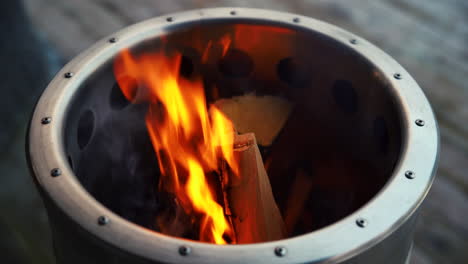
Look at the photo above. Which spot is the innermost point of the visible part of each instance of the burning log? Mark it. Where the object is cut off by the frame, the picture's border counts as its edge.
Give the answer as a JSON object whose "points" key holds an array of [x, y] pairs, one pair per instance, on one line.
{"points": [[248, 196], [191, 139], [247, 199]]}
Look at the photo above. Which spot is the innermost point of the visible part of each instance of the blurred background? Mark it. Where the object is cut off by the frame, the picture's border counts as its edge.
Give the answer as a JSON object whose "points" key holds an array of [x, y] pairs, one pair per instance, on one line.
{"points": [[428, 37]]}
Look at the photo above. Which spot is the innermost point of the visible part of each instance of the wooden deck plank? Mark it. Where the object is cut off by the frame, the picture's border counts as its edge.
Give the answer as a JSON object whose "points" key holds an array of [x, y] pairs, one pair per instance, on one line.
{"points": [[95, 20], [60, 30]]}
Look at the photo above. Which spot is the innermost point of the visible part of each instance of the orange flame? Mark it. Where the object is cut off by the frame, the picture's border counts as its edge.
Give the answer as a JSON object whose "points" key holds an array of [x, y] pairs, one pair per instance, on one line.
{"points": [[189, 139]]}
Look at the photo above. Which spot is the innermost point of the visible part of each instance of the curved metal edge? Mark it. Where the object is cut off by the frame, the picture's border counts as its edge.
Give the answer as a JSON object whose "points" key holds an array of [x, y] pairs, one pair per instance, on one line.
{"points": [[408, 259], [401, 194]]}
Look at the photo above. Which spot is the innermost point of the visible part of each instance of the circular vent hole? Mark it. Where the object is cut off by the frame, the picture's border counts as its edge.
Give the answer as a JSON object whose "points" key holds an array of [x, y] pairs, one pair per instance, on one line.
{"points": [[85, 128], [236, 63], [292, 72], [345, 96], [119, 98], [186, 66], [70, 161], [381, 134]]}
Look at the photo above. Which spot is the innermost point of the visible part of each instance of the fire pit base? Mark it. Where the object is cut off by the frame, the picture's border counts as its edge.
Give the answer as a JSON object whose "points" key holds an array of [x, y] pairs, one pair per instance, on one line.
{"points": [[359, 128]]}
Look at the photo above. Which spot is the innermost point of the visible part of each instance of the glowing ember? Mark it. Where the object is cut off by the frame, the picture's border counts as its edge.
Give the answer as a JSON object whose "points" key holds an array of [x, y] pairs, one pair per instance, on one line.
{"points": [[189, 139]]}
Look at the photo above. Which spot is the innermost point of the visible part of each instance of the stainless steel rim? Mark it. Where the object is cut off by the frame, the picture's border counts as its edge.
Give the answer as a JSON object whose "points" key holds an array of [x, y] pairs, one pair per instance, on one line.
{"points": [[395, 203]]}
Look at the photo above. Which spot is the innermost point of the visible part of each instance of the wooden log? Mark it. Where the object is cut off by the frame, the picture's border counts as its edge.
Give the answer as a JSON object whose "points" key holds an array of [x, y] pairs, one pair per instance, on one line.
{"points": [[249, 198], [263, 115], [300, 189], [299, 145]]}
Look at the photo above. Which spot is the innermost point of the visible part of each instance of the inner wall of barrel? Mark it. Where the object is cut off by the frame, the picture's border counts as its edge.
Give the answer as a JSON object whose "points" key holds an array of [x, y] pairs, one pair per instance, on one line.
{"points": [[336, 150]]}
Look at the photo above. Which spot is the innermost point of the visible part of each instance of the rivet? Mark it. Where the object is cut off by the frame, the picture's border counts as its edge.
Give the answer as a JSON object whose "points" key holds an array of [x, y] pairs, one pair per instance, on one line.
{"points": [[397, 76], [46, 120], [280, 251], [103, 220], [296, 20], [184, 250], [169, 19], [361, 222], [55, 172], [233, 13], [113, 40], [410, 174], [419, 122], [353, 41], [68, 75]]}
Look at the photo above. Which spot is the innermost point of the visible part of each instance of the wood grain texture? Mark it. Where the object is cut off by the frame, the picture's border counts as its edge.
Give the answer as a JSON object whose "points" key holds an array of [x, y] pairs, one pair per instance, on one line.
{"points": [[428, 37], [252, 207]]}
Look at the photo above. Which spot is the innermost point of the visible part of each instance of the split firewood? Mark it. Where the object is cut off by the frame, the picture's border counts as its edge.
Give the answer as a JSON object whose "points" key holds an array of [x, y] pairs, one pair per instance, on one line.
{"points": [[248, 196], [264, 116], [300, 191]]}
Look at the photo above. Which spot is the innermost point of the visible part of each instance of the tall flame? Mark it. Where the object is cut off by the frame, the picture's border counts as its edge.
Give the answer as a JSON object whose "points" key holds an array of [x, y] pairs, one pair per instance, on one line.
{"points": [[188, 138]]}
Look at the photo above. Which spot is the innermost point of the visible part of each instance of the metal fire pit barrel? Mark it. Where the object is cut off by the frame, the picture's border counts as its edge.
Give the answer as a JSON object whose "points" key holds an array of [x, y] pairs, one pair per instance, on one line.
{"points": [[371, 124]]}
